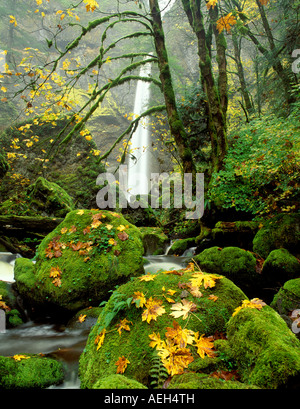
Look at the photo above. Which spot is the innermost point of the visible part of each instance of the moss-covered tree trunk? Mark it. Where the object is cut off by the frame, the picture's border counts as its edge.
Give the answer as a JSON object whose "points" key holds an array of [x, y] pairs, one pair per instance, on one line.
{"points": [[217, 96], [175, 123]]}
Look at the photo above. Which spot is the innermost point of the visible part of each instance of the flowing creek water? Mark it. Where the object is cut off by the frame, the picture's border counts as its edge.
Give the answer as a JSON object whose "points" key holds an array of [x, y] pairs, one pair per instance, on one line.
{"points": [[63, 343]]}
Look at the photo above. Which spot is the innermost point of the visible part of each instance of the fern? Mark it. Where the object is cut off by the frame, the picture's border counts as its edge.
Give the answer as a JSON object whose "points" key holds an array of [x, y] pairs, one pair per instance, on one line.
{"points": [[158, 373]]}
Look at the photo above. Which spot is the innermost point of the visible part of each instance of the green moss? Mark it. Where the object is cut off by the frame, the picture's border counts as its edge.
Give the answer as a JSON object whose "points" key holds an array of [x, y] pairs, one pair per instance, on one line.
{"points": [[154, 240], [266, 351], [50, 198], [181, 245], [134, 344], [203, 381], [33, 372], [236, 264], [282, 231], [118, 382], [288, 297], [86, 274], [280, 266]]}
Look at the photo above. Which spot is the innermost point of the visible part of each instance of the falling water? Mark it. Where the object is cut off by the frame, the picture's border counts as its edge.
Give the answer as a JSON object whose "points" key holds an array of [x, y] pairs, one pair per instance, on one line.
{"points": [[139, 164]]}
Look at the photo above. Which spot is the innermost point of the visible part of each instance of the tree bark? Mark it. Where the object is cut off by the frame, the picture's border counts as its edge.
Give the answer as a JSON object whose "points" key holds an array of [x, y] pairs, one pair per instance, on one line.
{"points": [[216, 95], [175, 123]]}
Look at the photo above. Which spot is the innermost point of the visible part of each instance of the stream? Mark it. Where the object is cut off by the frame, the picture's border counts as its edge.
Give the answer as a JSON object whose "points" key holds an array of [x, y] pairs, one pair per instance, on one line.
{"points": [[55, 340]]}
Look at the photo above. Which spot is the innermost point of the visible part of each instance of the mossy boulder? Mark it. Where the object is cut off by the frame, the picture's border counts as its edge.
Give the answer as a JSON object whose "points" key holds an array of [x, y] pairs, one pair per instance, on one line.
{"points": [[118, 381], [106, 345], [181, 245], [282, 231], [154, 239], [267, 353], [287, 300], [29, 372], [49, 199], [279, 267], [236, 264], [80, 262], [204, 381]]}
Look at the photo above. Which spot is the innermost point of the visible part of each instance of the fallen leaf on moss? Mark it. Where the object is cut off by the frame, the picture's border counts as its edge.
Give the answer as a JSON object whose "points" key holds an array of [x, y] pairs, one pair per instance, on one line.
{"points": [[122, 364], [181, 309], [153, 309], [123, 236], [204, 345]]}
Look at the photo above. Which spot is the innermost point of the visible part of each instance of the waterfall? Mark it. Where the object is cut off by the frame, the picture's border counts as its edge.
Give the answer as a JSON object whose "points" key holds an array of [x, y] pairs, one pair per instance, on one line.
{"points": [[139, 163]]}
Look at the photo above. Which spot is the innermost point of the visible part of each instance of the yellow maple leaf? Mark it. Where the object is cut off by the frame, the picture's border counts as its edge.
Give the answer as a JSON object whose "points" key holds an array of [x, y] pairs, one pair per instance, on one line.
{"points": [[208, 280], [226, 22], [55, 272], [121, 227], [204, 345], [254, 303], [147, 277], [174, 358], [95, 224], [20, 357], [153, 309], [112, 242], [57, 282], [90, 5], [64, 230], [109, 226], [211, 3], [138, 299], [122, 363], [100, 339], [123, 325], [156, 341], [182, 309], [13, 20], [181, 337], [82, 318]]}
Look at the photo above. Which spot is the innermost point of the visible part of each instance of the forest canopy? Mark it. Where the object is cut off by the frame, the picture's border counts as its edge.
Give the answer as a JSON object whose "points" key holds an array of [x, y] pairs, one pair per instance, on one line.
{"points": [[223, 70]]}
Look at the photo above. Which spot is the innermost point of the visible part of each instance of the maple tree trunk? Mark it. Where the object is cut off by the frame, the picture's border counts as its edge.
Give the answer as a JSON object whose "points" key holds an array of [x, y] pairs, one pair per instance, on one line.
{"points": [[175, 123], [277, 63], [217, 96], [241, 75]]}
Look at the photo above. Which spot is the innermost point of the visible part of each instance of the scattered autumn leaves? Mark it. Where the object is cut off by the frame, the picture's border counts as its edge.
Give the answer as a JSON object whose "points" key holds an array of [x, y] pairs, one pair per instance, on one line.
{"points": [[100, 236], [180, 345]]}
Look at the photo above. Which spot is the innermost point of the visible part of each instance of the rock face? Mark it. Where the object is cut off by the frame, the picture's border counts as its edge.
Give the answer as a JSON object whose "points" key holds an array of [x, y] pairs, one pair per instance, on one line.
{"points": [[140, 311], [80, 261]]}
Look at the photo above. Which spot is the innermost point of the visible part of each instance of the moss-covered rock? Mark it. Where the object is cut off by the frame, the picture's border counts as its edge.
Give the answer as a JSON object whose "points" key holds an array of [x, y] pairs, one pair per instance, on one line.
{"points": [[282, 231], [181, 245], [208, 315], [49, 199], [29, 372], [80, 262], [236, 264], [154, 239], [279, 267], [204, 381], [266, 351], [118, 382], [287, 300]]}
